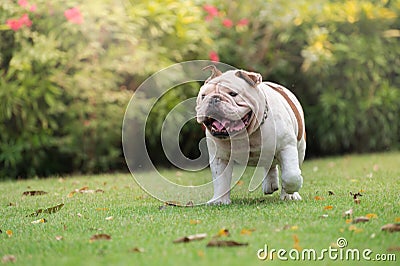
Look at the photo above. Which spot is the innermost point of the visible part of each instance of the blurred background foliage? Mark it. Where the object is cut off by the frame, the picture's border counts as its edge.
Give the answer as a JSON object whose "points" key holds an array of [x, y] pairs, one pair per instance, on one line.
{"points": [[69, 68]]}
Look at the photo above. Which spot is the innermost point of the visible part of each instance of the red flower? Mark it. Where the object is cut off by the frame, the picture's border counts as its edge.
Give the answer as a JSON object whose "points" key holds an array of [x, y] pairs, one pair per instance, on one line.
{"points": [[23, 3], [73, 15], [16, 24], [213, 56], [227, 23], [243, 22]]}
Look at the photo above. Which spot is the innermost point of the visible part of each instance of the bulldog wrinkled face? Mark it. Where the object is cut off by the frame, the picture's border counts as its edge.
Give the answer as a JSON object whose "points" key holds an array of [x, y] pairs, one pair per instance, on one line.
{"points": [[222, 109]]}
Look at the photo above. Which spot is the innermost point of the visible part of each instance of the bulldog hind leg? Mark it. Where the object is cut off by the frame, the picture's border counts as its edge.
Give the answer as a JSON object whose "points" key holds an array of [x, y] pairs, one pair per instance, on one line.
{"points": [[291, 174], [271, 181]]}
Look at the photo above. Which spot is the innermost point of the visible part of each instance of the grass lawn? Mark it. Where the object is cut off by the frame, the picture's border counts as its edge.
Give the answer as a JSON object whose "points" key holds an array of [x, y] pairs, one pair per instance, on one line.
{"points": [[142, 233]]}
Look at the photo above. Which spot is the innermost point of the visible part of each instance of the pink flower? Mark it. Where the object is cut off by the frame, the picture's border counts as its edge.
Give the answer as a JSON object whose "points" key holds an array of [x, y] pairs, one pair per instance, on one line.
{"points": [[211, 10], [213, 56], [25, 20], [33, 8], [73, 15], [227, 23], [23, 3], [243, 22], [16, 24]]}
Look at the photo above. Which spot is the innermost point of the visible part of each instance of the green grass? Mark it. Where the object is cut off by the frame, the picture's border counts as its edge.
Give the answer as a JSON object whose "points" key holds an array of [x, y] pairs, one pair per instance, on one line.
{"points": [[138, 221]]}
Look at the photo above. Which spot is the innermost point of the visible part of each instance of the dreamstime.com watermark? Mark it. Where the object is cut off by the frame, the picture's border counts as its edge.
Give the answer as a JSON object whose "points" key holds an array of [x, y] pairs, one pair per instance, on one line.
{"points": [[341, 253]]}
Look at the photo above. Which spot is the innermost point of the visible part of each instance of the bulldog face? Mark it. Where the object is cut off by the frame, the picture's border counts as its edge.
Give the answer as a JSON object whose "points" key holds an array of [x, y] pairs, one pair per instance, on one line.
{"points": [[229, 103]]}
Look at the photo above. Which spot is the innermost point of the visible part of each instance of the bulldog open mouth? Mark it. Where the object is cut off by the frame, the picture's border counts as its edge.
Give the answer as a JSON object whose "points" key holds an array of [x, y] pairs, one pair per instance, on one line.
{"points": [[224, 127]]}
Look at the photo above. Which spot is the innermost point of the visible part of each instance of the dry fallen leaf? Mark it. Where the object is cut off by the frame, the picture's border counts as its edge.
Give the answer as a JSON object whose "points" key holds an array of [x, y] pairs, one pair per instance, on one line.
{"points": [[58, 238], [318, 198], [173, 203], [296, 244], [361, 219], [109, 218], [222, 232], [100, 237], [8, 258], [48, 210], [391, 227], [225, 243], [355, 229], [395, 249], [355, 195], [247, 231], [397, 219], [329, 207], [190, 238], [9, 233], [137, 250], [39, 221], [291, 227], [34, 193], [101, 209], [348, 213], [371, 215], [194, 221]]}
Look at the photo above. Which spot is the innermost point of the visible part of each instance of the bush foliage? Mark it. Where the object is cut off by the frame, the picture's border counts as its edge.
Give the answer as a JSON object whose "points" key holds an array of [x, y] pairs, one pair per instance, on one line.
{"points": [[68, 69]]}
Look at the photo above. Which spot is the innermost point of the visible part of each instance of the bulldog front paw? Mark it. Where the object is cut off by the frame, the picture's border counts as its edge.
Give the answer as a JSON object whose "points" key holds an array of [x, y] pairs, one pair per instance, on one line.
{"points": [[269, 187], [219, 201], [286, 196]]}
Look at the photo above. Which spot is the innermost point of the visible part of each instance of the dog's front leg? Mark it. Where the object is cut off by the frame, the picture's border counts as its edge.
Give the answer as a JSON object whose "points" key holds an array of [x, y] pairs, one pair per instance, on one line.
{"points": [[222, 174], [291, 174]]}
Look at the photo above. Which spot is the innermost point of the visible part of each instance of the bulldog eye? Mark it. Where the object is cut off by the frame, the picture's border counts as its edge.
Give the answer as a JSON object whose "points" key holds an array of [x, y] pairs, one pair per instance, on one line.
{"points": [[233, 94], [203, 96]]}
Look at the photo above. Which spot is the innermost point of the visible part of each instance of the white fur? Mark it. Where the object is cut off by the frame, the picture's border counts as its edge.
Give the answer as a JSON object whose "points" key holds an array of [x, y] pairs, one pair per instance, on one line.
{"points": [[288, 151]]}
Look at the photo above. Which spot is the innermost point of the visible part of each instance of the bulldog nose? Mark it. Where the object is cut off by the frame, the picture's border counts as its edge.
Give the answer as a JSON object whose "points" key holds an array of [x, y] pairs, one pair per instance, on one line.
{"points": [[214, 100]]}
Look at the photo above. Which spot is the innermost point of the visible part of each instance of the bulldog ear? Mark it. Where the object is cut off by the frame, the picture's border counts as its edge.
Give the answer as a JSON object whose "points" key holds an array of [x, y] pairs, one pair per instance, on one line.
{"points": [[250, 77], [215, 72]]}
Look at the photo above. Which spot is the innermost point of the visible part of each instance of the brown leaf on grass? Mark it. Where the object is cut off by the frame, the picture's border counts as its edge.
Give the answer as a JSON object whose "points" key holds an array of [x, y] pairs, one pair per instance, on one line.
{"points": [[361, 219], [190, 238], [391, 227], [137, 250], [318, 198], [173, 203], [34, 193], [225, 243], [194, 221], [296, 244], [99, 237], [40, 221], [48, 210], [8, 258], [393, 249], [348, 213], [329, 207], [59, 238], [222, 232], [9, 233], [371, 215], [355, 195], [247, 231]]}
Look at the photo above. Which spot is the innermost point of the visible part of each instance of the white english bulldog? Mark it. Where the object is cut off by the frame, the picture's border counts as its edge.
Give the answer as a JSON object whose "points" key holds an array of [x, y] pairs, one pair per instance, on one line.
{"points": [[234, 107]]}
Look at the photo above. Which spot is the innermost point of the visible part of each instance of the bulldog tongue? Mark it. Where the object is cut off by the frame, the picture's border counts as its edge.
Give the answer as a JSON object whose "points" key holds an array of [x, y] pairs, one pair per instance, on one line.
{"points": [[228, 125], [217, 125]]}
